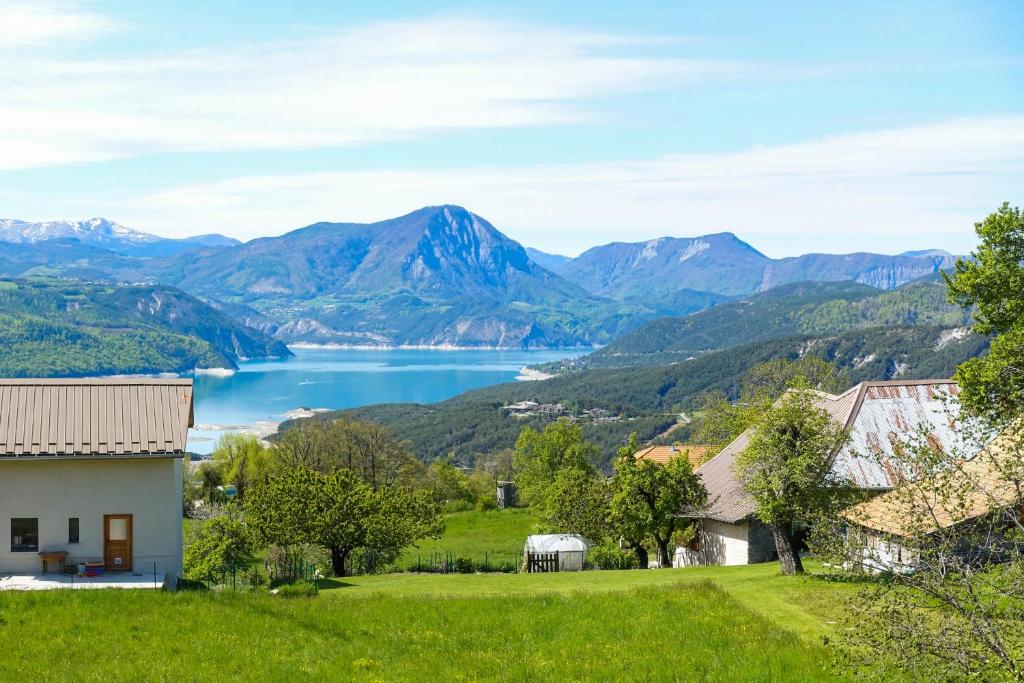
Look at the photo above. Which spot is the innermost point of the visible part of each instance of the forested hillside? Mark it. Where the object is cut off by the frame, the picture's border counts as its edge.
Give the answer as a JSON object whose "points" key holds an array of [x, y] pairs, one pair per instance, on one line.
{"points": [[813, 308], [648, 400], [55, 328]]}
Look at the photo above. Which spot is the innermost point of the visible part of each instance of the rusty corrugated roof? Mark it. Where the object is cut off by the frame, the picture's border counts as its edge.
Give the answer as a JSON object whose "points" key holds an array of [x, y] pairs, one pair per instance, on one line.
{"points": [[973, 489], [879, 415], [62, 417]]}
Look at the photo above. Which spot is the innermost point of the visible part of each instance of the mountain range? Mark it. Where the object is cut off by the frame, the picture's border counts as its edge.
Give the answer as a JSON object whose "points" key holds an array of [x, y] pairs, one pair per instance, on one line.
{"points": [[438, 276], [106, 234]]}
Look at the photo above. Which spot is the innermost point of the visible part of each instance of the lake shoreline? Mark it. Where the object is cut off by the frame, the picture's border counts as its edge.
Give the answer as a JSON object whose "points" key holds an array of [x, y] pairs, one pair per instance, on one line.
{"points": [[333, 346]]}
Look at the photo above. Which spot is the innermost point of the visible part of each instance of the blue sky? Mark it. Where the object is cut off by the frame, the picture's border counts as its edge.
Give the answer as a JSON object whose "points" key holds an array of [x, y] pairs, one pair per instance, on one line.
{"points": [[799, 126]]}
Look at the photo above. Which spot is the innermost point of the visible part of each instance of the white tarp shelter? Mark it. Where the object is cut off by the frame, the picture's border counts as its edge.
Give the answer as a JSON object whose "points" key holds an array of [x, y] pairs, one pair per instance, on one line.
{"points": [[571, 549]]}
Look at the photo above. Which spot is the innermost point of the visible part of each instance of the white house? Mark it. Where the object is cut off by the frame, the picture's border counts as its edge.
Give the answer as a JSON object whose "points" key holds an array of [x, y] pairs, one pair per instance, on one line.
{"points": [[880, 417], [91, 471]]}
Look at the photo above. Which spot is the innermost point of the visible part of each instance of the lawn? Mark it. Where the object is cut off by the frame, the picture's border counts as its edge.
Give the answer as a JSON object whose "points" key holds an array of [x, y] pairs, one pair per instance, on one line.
{"points": [[495, 536], [639, 625]]}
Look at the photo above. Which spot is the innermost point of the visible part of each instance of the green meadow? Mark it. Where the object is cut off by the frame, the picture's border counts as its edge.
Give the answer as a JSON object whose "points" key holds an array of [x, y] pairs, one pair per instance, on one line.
{"points": [[721, 624]]}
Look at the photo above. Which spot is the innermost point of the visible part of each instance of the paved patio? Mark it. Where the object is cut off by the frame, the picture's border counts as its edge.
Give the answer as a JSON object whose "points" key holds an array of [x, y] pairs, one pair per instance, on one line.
{"points": [[45, 582]]}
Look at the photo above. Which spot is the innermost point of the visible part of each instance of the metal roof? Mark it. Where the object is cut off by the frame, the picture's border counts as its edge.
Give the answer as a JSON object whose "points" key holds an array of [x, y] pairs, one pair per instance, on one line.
{"points": [[880, 416], [83, 417], [971, 489]]}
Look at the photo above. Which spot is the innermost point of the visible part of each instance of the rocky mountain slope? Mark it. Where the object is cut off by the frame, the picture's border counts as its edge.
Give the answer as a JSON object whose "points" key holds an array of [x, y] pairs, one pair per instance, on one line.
{"points": [[724, 264]]}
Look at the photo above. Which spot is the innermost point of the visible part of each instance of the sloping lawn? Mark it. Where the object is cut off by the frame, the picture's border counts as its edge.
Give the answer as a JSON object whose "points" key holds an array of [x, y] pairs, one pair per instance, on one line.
{"points": [[805, 605], [684, 631], [496, 535]]}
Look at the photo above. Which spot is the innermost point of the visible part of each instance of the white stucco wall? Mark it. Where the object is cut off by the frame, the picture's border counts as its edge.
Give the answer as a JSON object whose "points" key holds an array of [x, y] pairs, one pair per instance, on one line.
{"points": [[723, 543], [149, 489]]}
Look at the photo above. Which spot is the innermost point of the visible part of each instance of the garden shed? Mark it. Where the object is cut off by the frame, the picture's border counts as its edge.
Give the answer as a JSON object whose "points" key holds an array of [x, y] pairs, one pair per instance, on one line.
{"points": [[567, 552]]}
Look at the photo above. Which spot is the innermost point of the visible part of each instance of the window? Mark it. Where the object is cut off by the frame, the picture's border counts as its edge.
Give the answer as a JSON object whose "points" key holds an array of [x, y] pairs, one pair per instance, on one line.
{"points": [[72, 529], [24, 535]]}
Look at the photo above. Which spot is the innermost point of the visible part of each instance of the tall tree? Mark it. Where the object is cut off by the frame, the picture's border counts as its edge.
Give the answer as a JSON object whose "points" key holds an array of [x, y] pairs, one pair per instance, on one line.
{"points": [[785, 468], [364, 448], [650, 501], [539, 456], [242, 461], [993, 282], [723, 420]]}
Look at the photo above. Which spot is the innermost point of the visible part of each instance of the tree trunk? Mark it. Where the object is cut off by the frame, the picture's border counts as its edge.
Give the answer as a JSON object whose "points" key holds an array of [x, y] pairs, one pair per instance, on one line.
{"points": [[641, 555], [785, 545], [338, 557], [664, 560]]}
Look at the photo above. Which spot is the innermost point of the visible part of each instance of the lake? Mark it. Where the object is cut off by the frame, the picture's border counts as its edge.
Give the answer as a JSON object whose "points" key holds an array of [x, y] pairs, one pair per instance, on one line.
{"points": [[263, 393]]}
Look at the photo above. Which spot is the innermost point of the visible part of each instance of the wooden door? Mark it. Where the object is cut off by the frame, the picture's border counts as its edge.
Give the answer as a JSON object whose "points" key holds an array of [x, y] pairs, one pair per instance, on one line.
{"points": [[117, 543]]}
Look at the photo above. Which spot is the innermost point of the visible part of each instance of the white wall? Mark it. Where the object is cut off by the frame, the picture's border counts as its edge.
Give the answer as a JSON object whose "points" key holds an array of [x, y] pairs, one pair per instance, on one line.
{"points": [[148, 488], [724, 543]]}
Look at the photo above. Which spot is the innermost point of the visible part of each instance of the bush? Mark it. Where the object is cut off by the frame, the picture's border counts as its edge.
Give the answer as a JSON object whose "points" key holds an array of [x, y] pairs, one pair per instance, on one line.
{"points": [[462, 565], [218, 547], [610, 556], [299, 589]]}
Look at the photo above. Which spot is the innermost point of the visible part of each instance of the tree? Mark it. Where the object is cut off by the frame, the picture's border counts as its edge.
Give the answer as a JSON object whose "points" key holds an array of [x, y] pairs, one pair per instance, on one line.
{"points": [[722, 420], [993, 282], [211, 475], [556, 475], [242, 460], [785, 468], [650, 501], [540, 455], [364, 448], [219, 546], [955, 610], [340, 513]]}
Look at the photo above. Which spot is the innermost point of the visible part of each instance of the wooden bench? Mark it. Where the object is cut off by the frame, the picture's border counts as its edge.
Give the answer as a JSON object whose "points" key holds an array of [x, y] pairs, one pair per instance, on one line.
{"points": [[48, 556]]}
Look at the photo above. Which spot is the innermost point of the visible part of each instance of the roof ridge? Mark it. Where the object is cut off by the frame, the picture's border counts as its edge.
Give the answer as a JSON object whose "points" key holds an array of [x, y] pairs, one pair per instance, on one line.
{"points": [[96, 381]]}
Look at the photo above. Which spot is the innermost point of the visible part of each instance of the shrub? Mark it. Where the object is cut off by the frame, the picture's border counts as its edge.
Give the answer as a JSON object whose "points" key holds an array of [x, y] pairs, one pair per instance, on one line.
{"points": [[299, 589], [610, 556], [462, 565], [218, 547]]}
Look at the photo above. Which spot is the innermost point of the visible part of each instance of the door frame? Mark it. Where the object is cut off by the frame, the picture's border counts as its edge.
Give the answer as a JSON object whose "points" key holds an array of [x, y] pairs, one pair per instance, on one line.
{"points": [[106, 540]]}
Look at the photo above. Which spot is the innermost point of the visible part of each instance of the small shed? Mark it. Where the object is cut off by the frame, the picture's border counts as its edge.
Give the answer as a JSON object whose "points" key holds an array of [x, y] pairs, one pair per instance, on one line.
{"points": [[506, 494], [567, 552]]}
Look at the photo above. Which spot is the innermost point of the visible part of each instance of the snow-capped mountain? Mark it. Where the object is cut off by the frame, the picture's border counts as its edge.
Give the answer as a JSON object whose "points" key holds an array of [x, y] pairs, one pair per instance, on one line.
{"points": [[106, 234]]}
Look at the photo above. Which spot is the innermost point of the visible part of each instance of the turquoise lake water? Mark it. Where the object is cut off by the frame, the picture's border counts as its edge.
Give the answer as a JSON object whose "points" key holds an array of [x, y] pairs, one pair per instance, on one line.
{"points": [[263, 393]]}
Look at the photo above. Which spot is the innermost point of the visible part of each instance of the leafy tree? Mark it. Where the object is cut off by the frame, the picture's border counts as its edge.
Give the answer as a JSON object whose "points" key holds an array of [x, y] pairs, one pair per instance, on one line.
{"points": [[649, 500], [218, 546], [340, 513], [577, 503], [211, 475], [448, 483], [539, 456], [993, 282], [242, 460], [785, 468], [722, 421], [364, 448]]}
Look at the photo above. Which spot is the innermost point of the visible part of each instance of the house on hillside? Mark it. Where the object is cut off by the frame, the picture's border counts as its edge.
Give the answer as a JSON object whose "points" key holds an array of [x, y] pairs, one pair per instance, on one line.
{"points": [[91, 471], [886, 532], [697, 454], [879, 416]]}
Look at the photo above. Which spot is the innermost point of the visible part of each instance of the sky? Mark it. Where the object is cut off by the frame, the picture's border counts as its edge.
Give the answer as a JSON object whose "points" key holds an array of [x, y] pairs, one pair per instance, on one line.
{"points": [[801, 127]]}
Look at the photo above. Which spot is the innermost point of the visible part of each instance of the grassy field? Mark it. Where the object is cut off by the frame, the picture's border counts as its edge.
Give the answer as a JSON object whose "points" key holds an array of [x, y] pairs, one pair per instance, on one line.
{"points": [[496, 535], [728, 624]]}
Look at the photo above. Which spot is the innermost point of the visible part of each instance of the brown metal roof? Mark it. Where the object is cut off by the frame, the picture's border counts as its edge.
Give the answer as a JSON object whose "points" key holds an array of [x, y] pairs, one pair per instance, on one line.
{"points": [[62, 417]]}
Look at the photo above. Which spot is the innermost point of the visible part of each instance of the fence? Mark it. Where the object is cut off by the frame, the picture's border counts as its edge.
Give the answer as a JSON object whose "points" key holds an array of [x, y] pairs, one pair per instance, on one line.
{"points": [[450, 563], [542, 562]]}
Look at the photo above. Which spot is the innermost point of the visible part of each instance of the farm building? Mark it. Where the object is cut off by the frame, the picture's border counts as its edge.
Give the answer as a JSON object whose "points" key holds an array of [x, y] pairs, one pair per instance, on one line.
{"points": [[91, 471], [879, 416], [569, 550], [887, 530]]}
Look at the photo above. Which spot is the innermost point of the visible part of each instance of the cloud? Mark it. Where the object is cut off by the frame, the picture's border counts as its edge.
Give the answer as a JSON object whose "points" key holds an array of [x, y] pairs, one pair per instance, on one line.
{"points": [[881, 191], [376, 82], [30, 24]]}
